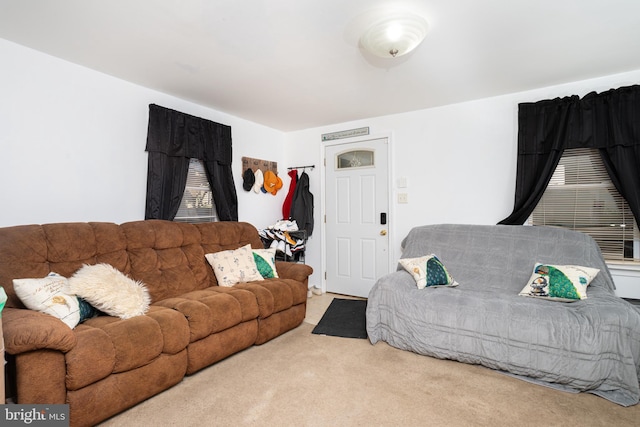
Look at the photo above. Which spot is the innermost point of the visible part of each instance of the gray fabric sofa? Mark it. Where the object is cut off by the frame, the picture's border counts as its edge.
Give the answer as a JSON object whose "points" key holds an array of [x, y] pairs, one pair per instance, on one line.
{"points": [[590, 345]]}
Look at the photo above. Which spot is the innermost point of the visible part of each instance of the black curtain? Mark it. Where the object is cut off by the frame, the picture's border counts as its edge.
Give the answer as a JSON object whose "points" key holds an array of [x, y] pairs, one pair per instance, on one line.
{"points": [[609, 121], [172, 139]]}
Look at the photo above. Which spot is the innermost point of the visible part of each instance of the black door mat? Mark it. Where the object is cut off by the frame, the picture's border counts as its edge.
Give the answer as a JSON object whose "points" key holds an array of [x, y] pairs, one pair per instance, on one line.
{"points": [[344, 318]]}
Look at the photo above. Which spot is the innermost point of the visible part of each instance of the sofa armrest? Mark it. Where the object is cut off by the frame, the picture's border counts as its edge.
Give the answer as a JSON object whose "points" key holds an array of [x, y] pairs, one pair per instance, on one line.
{"points": [[27, 330], [295, 271]]}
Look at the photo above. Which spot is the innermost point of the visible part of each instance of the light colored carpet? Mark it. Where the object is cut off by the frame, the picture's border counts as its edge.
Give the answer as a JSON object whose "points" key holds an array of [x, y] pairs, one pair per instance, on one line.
{"points": [[302, 379]]}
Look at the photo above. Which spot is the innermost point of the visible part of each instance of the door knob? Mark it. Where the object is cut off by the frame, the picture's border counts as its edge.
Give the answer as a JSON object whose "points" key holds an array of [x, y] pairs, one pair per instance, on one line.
{"points": [[383, 232]]}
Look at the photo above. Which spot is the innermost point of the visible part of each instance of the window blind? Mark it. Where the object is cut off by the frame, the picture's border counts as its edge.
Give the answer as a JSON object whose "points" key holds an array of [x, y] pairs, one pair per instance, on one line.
{"points": [[197, 203], [581, 197]]}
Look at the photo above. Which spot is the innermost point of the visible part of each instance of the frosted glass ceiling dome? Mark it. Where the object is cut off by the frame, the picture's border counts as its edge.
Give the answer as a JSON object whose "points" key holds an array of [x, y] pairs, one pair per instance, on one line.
{"points": [[394, 35]]}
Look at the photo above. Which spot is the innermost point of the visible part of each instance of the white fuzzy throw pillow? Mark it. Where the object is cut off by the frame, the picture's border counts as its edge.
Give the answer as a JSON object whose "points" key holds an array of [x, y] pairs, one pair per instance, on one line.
{"points": [[110, 291]]}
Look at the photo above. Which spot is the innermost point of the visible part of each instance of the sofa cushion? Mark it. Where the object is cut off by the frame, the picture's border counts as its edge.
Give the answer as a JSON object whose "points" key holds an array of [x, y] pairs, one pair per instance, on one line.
{"points": [[246, 299], [234, 266], [263, 296], [174, 327], [91, 359], [71, 245], [110, 291], [197, 314], [137, 341], [108, 345], [36, 250], [167, 256], [52, 295], [428, 271], [565, 283], [276, 295], [213, 309], [224, 311]]}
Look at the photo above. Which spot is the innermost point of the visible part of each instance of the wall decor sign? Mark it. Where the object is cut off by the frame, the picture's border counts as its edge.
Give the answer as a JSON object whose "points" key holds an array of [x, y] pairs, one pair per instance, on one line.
{"points": [[345, 134]]}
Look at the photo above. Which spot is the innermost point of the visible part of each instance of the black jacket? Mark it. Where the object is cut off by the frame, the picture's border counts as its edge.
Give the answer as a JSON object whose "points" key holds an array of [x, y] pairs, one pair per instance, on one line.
{"points": [[302, 205]]}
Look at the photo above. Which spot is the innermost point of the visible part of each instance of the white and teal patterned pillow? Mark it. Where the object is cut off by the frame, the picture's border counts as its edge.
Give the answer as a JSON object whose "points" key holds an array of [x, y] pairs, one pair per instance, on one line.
{"points": [[559, 282], [428, 271], [52, 295], [234, 266], [266, 262]]}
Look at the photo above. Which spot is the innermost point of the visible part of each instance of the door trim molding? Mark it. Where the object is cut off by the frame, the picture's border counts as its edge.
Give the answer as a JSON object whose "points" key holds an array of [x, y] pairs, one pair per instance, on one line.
{"points": [[390, 195]]}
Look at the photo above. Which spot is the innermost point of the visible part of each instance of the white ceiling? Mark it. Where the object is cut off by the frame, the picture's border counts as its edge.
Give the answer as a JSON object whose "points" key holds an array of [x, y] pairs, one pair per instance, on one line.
{"points": [[296, 64]]}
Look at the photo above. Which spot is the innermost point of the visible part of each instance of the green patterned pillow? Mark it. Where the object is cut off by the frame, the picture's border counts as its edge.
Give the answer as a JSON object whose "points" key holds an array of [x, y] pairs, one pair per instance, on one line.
{"points": [[559, 282], [428, 271], [266, 262]]}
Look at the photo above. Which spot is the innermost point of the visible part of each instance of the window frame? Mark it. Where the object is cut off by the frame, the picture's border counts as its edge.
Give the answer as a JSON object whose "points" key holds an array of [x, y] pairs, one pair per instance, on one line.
{"points": [[599, 198], [197, 197]]}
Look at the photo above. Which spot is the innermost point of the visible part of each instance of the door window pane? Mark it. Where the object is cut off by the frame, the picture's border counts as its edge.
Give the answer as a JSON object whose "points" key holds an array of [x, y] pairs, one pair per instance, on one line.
{"points": [[355, 159]]}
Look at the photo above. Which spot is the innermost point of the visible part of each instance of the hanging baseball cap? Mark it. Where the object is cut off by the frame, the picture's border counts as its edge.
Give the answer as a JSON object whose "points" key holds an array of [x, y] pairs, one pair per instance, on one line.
{"points": [[272, 182], [259, 181], [248, 179]]}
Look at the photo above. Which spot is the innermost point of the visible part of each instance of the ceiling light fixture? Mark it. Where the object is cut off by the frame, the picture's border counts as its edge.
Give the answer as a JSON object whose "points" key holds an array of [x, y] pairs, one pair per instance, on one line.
{"points": [[394, 35]]}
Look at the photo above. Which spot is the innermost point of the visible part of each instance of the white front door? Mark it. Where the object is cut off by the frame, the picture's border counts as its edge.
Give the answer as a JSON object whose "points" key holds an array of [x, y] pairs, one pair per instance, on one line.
{"points": [[357, 215]]}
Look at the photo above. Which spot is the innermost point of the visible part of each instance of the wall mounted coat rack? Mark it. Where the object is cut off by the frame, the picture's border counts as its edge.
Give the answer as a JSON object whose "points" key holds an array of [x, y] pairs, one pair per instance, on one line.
{"points": [[255, 164], [302, 167]]}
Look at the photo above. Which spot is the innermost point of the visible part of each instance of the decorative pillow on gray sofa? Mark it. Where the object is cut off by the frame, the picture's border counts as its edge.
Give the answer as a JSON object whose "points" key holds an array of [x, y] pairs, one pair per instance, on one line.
{"points": [[559, 282], [428, 271]]}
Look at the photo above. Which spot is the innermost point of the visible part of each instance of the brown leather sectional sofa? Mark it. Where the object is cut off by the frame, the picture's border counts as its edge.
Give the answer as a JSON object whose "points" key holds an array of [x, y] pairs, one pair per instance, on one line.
{"points": [[105, 364]]}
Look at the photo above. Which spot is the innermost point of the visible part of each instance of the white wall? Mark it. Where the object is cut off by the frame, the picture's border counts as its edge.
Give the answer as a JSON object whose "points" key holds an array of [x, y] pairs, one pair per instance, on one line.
{"points": [[72, 143], [459, 160]]}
